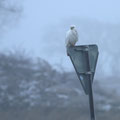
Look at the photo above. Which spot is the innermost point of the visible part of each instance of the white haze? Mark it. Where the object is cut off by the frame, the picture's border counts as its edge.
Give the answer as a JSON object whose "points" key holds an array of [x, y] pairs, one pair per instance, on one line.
{"points": [[44, 24]]}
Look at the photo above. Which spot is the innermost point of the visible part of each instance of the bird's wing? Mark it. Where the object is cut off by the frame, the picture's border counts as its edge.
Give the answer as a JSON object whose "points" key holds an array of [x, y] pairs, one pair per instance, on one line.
{"points": [[68, 35], [75, 34]]}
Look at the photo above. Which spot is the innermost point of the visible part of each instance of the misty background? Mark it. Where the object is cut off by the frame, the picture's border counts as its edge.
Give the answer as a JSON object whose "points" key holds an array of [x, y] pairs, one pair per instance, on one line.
{"points": [[37, 78]]}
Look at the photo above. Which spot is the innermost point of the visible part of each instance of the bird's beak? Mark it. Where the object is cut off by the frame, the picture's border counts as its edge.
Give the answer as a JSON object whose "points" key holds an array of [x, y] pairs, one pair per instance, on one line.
{"points": [[72, 28]]}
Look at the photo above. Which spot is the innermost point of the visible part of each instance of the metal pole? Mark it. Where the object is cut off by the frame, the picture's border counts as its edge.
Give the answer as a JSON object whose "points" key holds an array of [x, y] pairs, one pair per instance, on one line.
{"points": [[91, 102]]}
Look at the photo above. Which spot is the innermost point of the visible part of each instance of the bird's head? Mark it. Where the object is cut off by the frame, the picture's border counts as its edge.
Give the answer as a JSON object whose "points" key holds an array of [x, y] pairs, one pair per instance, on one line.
{"points": [[72, 27]]}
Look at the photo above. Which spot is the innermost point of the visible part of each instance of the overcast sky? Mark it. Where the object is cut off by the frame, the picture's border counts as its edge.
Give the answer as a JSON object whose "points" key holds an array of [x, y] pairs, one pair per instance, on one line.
{"points": [[40, 15]]}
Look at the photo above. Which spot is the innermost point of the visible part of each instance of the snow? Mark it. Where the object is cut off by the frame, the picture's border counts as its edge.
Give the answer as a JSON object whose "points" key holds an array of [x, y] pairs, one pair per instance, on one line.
{"points": [[3, 87], [62, 96], [51, 89], [10, 97], [78, 91], [106, 107]]}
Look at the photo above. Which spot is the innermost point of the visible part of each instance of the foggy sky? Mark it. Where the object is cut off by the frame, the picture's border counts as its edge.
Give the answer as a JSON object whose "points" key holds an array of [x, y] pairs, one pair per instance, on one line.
{"points": [[39, 17]]}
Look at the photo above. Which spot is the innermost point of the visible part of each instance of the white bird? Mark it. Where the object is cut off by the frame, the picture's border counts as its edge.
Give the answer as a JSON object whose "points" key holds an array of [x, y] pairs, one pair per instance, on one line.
{"points": [[71, 36]]}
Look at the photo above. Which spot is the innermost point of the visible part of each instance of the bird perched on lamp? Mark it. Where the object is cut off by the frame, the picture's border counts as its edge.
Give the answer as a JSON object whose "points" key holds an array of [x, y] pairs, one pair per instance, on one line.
{"points": [[71, 36]]}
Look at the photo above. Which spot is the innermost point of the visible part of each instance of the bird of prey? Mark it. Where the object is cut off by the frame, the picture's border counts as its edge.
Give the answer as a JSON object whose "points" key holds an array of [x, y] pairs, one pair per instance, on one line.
{"points": [[71, 36]]}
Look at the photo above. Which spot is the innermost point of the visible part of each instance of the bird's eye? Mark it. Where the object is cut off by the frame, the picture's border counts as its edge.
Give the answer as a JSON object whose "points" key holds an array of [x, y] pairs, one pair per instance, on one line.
{"points": [[72, 28]]}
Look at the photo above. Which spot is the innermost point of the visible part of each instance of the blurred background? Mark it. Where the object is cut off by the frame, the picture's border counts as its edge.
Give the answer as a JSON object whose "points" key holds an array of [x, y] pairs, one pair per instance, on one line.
{"points": [[37, 78]]}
